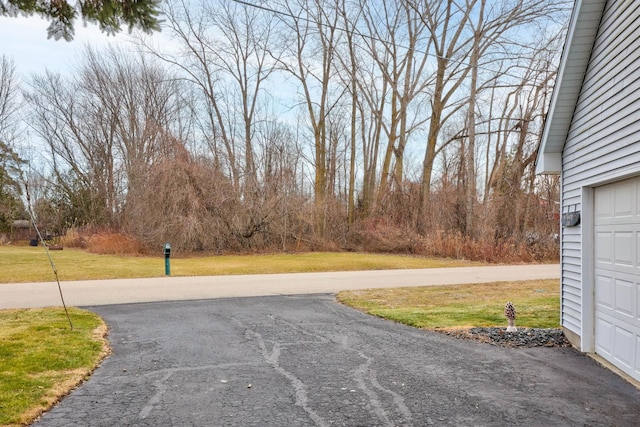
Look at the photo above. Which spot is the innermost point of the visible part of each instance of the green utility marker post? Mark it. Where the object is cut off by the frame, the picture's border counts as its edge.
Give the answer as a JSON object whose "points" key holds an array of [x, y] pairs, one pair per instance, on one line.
{"points": [[167, 263]]}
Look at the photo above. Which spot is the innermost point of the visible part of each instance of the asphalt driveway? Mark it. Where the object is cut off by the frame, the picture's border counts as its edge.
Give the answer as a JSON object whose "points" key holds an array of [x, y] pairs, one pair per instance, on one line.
{"points": [[309, 361]]}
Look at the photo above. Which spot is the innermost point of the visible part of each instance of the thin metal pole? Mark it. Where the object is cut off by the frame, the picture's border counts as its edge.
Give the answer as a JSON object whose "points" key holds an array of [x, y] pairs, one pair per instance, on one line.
{"points": [[46, 249]]}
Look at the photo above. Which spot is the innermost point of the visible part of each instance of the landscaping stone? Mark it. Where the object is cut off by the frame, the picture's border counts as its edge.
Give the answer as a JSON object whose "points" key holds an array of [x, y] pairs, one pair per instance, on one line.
{"points": [[524, 337]]}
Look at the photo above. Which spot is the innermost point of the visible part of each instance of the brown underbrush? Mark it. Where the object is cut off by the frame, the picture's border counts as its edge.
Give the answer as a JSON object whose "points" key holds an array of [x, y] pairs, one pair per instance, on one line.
{"points": [[103, 242], [370, 237], [383, 237]]}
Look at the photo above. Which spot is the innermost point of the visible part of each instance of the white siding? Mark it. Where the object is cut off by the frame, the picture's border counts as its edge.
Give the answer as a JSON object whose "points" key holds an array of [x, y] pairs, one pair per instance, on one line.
{"points": [[603, 143]]}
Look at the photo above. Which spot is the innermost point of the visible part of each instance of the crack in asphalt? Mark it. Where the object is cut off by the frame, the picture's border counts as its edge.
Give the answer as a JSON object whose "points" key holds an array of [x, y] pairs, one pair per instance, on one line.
{"points": [[161, 386], [373, 379], [298, 386], [363, 374], [364, 370]]}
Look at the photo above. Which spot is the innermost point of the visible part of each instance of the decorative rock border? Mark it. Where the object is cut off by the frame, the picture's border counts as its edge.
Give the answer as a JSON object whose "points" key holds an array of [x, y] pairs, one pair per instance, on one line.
{"points": [[524, 337]]}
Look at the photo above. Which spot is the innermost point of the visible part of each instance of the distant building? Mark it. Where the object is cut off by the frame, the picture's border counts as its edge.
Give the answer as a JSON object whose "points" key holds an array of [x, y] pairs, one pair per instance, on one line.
{"points": [[21, 230]]}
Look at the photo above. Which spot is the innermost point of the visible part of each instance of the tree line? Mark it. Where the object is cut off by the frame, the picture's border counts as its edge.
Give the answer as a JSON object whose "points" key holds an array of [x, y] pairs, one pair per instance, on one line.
{"points": [[376, 125]]}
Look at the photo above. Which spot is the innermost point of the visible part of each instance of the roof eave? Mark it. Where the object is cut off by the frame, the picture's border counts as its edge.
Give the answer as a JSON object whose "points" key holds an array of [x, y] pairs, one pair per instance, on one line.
{"points": [[583, 28], [549, 163]]}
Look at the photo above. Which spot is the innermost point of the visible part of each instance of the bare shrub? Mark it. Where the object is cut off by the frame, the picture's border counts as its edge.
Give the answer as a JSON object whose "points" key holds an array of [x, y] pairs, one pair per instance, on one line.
{"points": [[114, 244], [102, 241], [381, 235], [185, 202], [74, 238], [456, 245]]}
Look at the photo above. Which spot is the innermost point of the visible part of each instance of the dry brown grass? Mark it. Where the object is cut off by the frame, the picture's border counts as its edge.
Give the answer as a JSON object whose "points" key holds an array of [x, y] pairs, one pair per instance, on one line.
{"points": [[114, 244], [74, 238], [461, 247], [371, 236], [102, 242], [384, 237]]}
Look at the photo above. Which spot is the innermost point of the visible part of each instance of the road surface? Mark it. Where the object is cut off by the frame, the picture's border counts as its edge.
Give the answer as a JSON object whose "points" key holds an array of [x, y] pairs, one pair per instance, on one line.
{"points": [[123, 291]]}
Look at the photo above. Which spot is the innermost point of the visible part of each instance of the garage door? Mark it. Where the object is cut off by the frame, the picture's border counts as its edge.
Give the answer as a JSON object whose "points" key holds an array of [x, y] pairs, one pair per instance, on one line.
{"points": [[617, 274]]}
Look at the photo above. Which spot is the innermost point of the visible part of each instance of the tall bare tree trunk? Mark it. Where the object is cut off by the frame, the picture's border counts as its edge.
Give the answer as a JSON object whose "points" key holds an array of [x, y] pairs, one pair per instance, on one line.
{"points": [[471, 125]]}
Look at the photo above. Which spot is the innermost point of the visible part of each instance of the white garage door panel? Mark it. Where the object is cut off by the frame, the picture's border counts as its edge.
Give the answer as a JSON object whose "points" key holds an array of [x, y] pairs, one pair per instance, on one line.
{"points": [[604, 292], [624, 346], [603, 209], [623, 252], [623, 292], [604, 338], [624, 200], [638, 303], [616, 344], [617, 274], [637, 356], [604, 248]]}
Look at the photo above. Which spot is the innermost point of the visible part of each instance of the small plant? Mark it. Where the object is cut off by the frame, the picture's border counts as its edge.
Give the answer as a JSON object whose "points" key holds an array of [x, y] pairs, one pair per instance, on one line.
{"points": [[510, 314]]}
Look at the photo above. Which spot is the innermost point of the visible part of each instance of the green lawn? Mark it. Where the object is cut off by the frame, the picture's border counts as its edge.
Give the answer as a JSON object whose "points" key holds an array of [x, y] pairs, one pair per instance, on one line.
{"points": [[19, 264], [41, 358], [462, 306]]}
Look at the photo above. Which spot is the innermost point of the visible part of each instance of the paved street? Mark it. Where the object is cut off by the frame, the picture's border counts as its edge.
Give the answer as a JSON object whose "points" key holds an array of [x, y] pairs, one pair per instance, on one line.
{"points": [[309, 361], [103, 292]]}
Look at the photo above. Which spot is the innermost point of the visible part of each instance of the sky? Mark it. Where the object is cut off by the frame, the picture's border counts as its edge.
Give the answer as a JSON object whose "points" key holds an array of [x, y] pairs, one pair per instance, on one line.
{"points": [[24, 39]]}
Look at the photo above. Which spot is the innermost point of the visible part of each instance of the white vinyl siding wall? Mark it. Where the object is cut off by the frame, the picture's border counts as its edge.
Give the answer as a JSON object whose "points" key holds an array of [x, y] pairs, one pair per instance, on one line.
{"points": [[603, 143]]}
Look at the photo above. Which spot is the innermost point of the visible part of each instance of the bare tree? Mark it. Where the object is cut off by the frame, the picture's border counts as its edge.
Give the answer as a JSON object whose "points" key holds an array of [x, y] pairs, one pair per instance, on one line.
{"points": [[139, 103], [226, 50], [310, 59], [9, 103], [278, 165], [463, 35], [399, 45], [79, 160], [10, 204], [446, 25], [349, 62], [195, 34], [104, 127], [512, 182], [458, 84]]}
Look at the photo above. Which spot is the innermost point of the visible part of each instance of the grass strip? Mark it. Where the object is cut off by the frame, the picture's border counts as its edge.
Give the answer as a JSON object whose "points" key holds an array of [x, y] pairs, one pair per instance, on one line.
{"points": [[20, 264], [537, 303], [41, 358]]}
